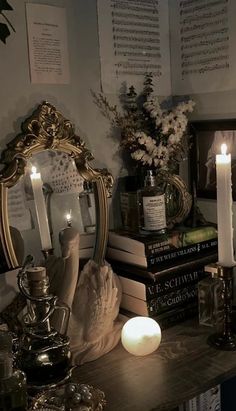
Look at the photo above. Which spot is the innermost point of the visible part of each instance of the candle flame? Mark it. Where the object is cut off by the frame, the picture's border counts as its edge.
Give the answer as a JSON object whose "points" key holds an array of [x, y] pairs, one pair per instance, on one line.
{"points": [[34, 170], [68, 219], [68, 216], [223, 148]]}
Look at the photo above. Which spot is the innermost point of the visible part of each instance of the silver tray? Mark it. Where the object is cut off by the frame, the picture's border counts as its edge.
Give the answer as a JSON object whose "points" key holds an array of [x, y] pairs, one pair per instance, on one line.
{"points": [[70, 397]]}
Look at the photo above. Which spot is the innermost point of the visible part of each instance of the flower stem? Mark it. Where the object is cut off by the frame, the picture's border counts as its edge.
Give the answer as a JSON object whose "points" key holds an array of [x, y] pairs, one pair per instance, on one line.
{"points": [[8, 21]]}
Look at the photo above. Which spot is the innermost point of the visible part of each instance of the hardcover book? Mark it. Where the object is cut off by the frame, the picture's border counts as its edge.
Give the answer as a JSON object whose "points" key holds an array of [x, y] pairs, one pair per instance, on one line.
{"points": [[154, 273], [177, 315], [169, 318], [209, 400], [146, 289], [160, 304], [167, 258], [150, 244]]}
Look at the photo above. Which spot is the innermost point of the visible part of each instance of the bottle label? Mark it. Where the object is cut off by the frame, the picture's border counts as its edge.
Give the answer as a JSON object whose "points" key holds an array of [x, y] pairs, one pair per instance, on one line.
{"points": [[154, 212]]}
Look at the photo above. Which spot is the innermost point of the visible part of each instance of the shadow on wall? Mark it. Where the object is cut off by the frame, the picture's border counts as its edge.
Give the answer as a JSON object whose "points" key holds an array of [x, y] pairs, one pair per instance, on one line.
{"points": [[10, 124]]}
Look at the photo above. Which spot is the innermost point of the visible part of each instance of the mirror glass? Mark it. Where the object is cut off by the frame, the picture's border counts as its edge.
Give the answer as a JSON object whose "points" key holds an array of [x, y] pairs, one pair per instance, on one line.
{"points": [[48, 161], [69, 201]]}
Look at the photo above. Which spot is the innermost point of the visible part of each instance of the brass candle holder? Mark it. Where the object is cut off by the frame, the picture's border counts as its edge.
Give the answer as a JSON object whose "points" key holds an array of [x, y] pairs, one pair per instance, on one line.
{"points": [[225, 339]]}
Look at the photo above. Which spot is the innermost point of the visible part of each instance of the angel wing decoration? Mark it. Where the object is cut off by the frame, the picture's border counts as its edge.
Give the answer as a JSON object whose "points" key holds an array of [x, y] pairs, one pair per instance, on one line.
{"points": [[94, 297]]}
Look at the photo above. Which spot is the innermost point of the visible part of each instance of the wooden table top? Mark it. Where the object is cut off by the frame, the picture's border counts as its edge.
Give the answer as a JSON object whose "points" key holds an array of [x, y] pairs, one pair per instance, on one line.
{"points": [[183, 367]]}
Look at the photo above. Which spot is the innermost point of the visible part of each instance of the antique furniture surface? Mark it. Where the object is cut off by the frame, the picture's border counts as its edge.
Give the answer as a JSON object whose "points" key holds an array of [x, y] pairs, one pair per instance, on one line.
{"points": [[184, 366], [48, 129]]}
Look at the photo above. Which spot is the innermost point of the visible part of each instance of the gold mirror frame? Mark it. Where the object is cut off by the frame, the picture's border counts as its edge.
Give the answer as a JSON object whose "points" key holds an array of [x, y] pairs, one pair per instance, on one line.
{"points": [[184, 197], [47, 129]]}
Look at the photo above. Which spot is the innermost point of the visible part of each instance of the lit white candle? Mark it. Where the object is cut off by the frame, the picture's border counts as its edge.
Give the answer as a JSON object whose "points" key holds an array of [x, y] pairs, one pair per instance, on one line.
{"points": [[141, 336], [224, 208], [41, 211]]}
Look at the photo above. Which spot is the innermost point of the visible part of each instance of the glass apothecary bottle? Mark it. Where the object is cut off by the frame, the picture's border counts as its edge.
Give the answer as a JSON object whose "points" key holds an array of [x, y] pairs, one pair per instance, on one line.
{"points": [[211, 301], [151, 206], [13, 392], [44, 353]]}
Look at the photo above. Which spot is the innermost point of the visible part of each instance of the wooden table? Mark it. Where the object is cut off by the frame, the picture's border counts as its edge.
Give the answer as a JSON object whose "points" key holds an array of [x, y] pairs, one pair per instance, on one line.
{"points": [[183, 367]]}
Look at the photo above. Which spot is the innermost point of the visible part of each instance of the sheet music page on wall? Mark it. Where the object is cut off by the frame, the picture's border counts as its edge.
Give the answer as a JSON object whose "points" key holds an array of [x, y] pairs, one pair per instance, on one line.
{"points": [[202, 40], [134, 39]]}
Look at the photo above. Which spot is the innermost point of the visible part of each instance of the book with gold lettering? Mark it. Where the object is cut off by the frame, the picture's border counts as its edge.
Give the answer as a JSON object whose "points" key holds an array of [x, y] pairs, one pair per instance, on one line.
{"points": [[146, 284], [160, 303], [149, 245], [164, 259], [169, 282]]}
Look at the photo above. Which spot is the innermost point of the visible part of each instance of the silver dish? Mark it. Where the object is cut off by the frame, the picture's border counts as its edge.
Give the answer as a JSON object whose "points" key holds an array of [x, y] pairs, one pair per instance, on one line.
{"points": [[70, 397]]}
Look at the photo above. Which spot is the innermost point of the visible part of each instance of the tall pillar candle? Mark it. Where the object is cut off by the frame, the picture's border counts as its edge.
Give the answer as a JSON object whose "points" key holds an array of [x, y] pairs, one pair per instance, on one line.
{"points": [[41, 211], [224, 208]]}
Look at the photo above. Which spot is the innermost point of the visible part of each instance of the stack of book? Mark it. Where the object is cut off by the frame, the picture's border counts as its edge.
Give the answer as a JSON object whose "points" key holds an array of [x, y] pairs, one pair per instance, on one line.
{"points": [[160, 274]]}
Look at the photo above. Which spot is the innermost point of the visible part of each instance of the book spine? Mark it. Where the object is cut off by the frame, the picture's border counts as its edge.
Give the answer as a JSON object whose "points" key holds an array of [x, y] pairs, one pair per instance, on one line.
{"points": [[210, 400], [176, 240], [155, 274], [158, 247], [172, 300], [194, 250], [190, 405], [176, 316], [170, 282]]}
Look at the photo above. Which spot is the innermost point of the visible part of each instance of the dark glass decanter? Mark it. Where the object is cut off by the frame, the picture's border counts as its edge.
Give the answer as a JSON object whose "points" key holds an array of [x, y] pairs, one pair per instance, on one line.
{"points": [[44, 353]]}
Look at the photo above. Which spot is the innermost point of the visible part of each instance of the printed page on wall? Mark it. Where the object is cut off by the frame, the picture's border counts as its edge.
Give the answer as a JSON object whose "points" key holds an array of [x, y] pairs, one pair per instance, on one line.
{"points": [[47, 42], [202, 39], [134, 40]]}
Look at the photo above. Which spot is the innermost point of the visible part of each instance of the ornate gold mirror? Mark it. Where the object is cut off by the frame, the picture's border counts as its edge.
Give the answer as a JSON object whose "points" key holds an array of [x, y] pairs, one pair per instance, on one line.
{"points": [[47, 135]]}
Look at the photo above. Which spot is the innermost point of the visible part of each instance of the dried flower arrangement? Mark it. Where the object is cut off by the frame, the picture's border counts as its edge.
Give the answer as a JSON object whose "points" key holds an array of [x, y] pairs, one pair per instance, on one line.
{"points": [[153, 135]]}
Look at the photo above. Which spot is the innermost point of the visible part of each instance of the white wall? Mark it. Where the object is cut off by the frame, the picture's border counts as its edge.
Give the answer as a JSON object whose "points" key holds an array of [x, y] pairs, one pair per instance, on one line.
{"points": [[214, 105], [19, 97]]}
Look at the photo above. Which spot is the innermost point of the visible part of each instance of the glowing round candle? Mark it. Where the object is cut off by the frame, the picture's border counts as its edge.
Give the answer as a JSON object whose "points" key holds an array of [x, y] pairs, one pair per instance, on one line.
{"points": [[141, 335]]}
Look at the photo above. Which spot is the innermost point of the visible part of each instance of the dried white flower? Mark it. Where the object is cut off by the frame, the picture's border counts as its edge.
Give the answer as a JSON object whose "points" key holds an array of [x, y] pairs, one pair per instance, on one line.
{"points": [[153, 134]]}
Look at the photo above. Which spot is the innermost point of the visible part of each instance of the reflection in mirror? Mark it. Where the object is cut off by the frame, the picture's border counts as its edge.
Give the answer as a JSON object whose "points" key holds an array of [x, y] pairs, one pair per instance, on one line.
{"points": [[70, 184], [69, 201]]}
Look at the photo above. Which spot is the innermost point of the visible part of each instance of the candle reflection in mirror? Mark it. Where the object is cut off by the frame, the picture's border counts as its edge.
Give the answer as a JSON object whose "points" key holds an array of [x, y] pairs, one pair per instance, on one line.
{"points": [[41, 212], [69, 219]]}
